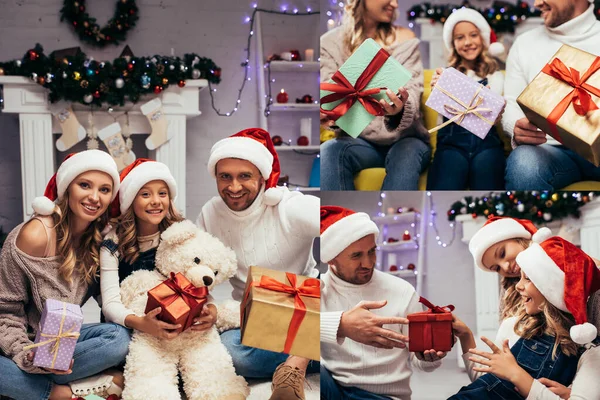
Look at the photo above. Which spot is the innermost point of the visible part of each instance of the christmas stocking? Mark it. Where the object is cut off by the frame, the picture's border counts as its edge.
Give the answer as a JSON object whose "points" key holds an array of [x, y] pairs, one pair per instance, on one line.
{"points": [[159, 135], [113, 139], [72, 131]]}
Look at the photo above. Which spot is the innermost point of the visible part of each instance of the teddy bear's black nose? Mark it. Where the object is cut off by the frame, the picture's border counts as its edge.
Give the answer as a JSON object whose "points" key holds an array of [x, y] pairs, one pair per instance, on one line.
{"points": [[207, 280]]}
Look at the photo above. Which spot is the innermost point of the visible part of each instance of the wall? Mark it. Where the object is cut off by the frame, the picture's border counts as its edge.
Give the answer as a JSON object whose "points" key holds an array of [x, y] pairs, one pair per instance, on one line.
{"points": [[211, 28]]}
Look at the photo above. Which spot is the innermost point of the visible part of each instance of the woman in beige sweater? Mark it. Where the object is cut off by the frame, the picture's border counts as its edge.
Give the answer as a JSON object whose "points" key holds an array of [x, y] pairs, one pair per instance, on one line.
{"points": [[398, 140], [55, 255]]}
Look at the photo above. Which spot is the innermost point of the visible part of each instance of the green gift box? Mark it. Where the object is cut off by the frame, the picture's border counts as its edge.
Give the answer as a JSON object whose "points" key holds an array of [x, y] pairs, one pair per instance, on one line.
{"points": [[369, 58]]}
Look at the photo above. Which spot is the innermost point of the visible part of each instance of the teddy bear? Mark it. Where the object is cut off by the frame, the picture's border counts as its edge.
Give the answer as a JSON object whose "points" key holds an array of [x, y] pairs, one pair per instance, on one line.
{"points": [[153, 364]]}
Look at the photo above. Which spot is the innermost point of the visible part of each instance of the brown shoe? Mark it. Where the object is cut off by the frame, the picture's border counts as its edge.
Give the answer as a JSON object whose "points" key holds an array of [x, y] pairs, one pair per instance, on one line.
{"points": [[288, 383]]}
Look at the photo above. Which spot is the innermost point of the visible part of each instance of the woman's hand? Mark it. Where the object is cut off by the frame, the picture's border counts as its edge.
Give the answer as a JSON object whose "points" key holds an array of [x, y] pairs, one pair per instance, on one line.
{"points": [[397, 103], [153, 326], [50, 370], [436, 76], [206, 320]]}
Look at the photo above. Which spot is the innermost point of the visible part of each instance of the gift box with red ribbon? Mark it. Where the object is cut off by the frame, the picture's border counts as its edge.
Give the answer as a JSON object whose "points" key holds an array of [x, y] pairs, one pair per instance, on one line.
{"points": [[280, 312], [431, 329], [351, 97], [180, 301], [563, 100]]}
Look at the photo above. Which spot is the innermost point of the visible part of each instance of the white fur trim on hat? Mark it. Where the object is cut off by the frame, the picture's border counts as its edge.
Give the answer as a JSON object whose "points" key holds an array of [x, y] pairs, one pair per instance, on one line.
{"points": [[466, 15], [541, 235], [547, 277], [496, 49], [274, 195], [43, 206], [243, 148], [344, 232], [139, 176], [492, 233], [583, 333]]}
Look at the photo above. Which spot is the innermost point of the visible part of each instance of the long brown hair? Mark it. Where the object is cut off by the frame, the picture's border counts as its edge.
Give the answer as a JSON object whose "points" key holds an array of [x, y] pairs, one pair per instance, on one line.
{"points": [[511, 303], [353, 25]]}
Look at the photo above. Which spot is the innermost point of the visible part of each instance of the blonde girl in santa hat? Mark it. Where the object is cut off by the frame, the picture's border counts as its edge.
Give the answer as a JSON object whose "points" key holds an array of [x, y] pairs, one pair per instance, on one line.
{"points": [[55, 255], [463, 160], [549, 340]]}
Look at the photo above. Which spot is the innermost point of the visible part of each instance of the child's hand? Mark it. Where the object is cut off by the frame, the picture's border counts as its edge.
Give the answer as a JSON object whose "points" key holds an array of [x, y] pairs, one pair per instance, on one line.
{"points": [[153, 326], [436, 76], [500, 115], [562, 391], [53, 371], [459, 328], [431, 355], [206, 320], [397, 103], [500, 362]]}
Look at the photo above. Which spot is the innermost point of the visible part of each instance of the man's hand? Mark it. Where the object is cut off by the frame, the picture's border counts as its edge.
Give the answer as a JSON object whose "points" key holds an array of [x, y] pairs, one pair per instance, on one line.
{"points": [[562, 391], [527, 133], [361, 325], [206, 320], [431, 355]]}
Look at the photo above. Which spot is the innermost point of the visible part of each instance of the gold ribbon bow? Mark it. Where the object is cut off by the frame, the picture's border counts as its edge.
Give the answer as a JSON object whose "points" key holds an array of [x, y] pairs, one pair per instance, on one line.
{"points": [[56, 338], [459, 115]]}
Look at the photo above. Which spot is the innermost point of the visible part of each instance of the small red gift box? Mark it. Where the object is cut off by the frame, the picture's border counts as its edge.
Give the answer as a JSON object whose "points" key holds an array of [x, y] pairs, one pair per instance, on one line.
{"points": [[431, 329], [180, 301]]}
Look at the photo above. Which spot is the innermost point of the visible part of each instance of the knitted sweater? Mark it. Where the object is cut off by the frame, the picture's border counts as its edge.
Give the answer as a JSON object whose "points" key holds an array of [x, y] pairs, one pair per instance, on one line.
{"points": [[533, 49], [278, 237], [383, 130], [25, 284], [381, 371], [584, 386]]}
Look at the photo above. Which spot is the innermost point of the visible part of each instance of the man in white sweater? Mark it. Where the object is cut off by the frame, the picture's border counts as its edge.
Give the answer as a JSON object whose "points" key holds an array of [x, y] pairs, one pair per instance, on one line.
{"points": [[265, 225], [538, 161], [349, 369]]}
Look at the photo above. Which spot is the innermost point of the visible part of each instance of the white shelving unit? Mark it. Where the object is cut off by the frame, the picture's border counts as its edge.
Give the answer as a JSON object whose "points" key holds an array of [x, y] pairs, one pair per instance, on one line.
{"points": [[285, 118]]}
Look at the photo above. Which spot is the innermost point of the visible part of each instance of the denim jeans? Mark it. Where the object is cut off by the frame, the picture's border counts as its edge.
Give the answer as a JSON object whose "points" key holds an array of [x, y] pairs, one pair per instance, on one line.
{"points": [[465, 161], [546, 167], [343, 158], [250, 362], [330, 390], [99, 347], [534, 356]]}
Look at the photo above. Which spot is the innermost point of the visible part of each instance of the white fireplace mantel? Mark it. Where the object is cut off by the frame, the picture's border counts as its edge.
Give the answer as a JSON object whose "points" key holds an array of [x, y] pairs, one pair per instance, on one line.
{"points": [[28, 99]]}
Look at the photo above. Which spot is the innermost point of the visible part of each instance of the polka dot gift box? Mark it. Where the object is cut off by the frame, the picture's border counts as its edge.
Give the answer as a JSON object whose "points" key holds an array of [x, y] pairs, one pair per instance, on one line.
{"points": [[464, 101], [59, 330]]}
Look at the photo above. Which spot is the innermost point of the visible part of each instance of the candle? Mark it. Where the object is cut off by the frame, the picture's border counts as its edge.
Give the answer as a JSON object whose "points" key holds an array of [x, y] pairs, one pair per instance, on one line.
{"points": [[309, 55], [282, 97]]}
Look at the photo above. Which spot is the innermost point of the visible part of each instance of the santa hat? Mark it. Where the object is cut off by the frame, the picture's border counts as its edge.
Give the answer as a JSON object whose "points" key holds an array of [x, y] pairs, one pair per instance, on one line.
{"points": [[136, 175], [254, 145], [567, 277], [74, 165], [473, 16], [340, 227], [497, 229]]}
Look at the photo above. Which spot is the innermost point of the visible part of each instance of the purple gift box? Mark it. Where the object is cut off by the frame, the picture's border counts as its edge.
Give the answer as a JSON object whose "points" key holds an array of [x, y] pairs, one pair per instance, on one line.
{"points": [[471, 96], [59, 330]]}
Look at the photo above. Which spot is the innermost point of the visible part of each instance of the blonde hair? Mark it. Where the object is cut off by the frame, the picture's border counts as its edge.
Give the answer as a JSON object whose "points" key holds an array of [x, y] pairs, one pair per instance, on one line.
{"points": [[511, 303], [353, 25], [127, 231], [84, 256], [484, 63]]}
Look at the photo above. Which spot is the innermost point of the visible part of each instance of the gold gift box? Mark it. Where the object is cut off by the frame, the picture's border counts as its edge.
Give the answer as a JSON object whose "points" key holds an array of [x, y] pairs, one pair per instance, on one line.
{"points": [[266, 316], [578, 133]]}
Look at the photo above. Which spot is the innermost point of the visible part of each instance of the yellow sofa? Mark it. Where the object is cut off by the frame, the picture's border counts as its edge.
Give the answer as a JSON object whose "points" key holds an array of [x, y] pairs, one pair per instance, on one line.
{"points": [[372, 178]]}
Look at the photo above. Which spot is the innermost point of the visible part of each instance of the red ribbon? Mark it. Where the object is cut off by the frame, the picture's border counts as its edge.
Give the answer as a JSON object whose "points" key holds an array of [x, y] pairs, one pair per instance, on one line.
{"points": [[311, 287], [343, 89], [436, 309], [579, 96], [187, 292]]}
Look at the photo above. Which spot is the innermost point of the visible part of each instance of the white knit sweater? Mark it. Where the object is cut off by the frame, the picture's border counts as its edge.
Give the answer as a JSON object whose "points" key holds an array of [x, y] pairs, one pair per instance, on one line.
{"points": [[381, 371], [585, 385], [533, 49], [277, 237]]}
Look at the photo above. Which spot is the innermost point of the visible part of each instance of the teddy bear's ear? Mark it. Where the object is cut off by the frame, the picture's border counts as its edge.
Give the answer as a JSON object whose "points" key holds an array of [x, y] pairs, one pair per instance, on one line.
{"points": [[179, 232]]}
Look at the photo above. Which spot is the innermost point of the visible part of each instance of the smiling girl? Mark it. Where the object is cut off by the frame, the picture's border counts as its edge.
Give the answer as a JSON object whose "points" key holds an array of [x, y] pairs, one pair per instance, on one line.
{"points": [[463, 160]]}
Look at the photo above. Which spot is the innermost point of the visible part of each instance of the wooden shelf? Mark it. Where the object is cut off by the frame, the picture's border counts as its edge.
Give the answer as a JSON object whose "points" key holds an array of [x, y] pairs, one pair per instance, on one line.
{"points": [[399, 246], [300, 148], [404, 218], [294, 107], [295, 66]]}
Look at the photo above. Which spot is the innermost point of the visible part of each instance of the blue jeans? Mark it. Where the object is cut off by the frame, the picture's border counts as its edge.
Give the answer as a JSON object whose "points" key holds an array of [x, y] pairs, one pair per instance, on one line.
{"points": [[546, 167], [99, 347], [330, 390], [250, 362], [343, 158], [465, 161]]}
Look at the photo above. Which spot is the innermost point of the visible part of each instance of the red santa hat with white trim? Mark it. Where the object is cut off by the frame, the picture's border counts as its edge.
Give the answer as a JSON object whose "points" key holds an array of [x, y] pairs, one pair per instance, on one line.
{"points": [[254, 145], [74, 165], [340, 227], [497, 229], [567, 277], [465, 14]]}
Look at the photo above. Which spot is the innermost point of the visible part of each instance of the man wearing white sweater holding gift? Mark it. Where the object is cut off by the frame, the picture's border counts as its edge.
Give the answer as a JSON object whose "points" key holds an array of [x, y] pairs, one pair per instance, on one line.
{"points": [[538, 161], [350, 369], [267, 226]]}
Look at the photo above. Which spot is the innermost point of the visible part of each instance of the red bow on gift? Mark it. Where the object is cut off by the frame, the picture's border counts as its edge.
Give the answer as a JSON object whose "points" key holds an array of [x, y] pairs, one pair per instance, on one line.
{"points": [[343, 89], [579, 96], [436, 309], [188, 293]]}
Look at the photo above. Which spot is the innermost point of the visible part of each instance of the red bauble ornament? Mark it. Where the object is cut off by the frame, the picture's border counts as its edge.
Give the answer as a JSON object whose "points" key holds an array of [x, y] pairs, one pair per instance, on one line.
{"points": [[295, 55], [81, 8], [157, 89], [217, 72], [282, 97], [302, 141], [474, 215], [406, 235], [132, 11], [277, 140], [32, 55], [411, 267], [41, 80], [108, 38], [181, 83], [130, 66], [393, 268], [512, 196], [96, 94], [539, 213]]}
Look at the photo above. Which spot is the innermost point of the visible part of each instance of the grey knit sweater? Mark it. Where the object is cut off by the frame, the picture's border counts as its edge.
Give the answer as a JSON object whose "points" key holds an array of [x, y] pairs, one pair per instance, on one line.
{"points": [[383, 130], [25, 284]]}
